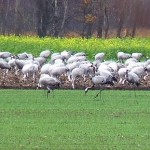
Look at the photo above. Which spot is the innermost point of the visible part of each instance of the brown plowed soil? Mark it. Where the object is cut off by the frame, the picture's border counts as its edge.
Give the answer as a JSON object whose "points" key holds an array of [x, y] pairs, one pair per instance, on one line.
{"points": [[12, 81]]}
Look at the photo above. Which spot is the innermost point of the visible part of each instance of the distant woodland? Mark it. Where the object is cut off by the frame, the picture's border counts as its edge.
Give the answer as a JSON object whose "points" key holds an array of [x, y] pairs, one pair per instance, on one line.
{"points": [[75, 18]]}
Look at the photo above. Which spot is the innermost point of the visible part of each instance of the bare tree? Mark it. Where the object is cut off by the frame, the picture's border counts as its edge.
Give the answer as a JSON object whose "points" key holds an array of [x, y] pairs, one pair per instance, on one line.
{"points": [[100, 18], [88, 17], [4, 11], [65, 3], [43, 16], [84, 17], [18, 18], [138, 13], [102, 10], [120, 15], [106, 20]]}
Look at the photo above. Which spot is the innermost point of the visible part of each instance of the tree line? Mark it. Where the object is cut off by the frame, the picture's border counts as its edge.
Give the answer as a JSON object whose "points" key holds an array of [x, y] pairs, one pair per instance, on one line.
{"points": [[85, 18]]}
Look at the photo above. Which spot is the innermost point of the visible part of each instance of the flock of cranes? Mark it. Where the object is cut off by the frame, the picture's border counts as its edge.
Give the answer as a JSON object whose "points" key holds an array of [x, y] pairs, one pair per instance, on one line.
{"points": [[48, 69]]}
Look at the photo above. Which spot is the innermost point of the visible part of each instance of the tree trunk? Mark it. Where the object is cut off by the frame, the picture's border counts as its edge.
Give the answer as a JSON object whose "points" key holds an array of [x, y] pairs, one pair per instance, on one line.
{"points": [[122, 16], [120, 26], [106, 22], [100, 26], [89, 30], [83, 24], [64, 17], [42, 17], [137, 12], [17, 19], [5, 15], [56, 18], [133, 30]]}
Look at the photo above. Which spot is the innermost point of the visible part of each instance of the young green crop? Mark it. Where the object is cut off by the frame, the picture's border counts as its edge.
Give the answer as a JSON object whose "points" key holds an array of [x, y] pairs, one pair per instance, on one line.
{"points": [[91, 46], [71, 120]]}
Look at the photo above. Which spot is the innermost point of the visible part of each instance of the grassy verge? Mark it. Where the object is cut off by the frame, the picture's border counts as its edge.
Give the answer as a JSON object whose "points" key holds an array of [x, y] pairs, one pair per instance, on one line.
{"points": [[92, 46], [70, 120]]}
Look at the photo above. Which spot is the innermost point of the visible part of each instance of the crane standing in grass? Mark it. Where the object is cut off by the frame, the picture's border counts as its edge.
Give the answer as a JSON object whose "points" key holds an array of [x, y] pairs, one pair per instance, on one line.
{"points": [[50, 83], [100, 81]]}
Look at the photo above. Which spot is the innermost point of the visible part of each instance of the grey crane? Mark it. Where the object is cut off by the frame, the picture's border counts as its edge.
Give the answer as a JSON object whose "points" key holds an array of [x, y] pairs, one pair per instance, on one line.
{"points": [[80, 54], [99, 81], [123, 56], [100, 57], [137, 56], [140, 71], [133, 79], [45, 53], [83, 71], [4, 66], [22, 56], [59, 71], [66, 54], [49, 83], [44, 68], [77, 72], [5, 55], [19, 65], [122, 75], [30, 69], [41, 60]]}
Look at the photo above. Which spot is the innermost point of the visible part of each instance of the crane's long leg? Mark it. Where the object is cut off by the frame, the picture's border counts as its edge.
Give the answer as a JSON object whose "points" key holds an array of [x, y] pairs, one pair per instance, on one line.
{"points": [[73, 81], [135, 95], [44, 94], [134, 92], [48, 91], [100, 92], [87, 89], [52, 92]]}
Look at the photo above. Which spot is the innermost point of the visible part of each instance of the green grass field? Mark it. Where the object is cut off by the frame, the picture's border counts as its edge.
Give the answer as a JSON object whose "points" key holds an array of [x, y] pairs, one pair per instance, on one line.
{"points": [[72, 121]]}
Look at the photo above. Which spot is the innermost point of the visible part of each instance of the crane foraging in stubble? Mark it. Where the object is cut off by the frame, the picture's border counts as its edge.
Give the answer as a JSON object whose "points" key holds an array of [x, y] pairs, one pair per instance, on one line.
{"points": [[133, 79]]}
